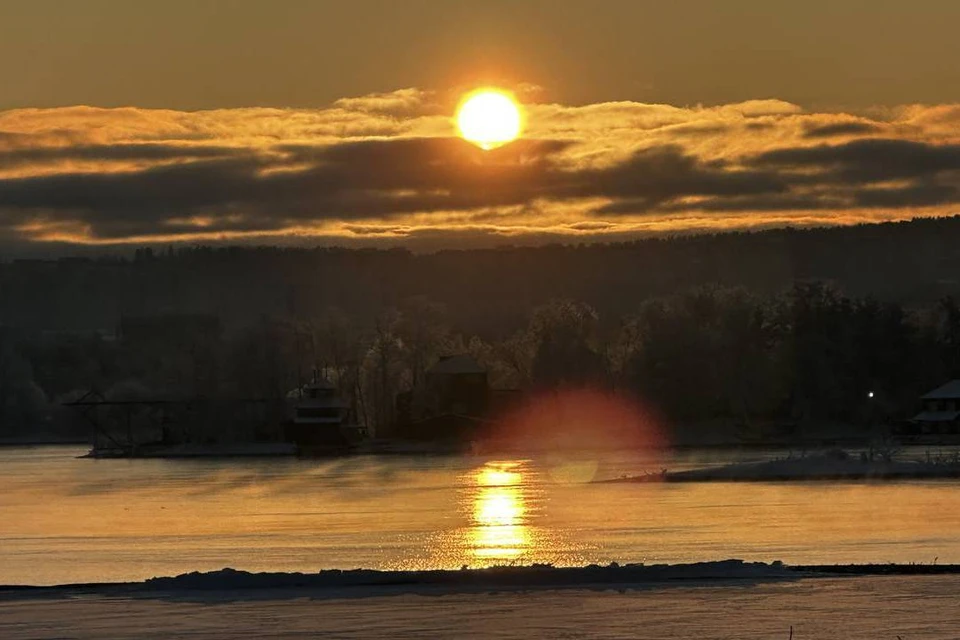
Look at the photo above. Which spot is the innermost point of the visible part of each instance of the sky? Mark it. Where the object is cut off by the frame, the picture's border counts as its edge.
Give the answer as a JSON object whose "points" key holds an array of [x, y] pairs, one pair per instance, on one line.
{"points": [[331, 122]]}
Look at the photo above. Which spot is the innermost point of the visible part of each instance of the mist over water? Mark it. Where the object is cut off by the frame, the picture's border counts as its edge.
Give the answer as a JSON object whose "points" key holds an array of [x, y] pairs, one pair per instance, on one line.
{"points": [[79, 520]]}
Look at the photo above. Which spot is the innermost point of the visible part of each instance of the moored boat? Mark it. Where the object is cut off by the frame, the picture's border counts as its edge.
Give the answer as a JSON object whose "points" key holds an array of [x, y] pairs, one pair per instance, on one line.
{"points": [[321, 423]]}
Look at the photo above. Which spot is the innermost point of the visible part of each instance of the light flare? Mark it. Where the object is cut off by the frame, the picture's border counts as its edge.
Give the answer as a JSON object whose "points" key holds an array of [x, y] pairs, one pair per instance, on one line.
{"points": [[577, 420]]}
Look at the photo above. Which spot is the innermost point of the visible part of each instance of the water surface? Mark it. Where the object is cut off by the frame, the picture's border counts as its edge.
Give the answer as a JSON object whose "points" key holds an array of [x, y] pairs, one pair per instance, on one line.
{"points": [[64, 519]]}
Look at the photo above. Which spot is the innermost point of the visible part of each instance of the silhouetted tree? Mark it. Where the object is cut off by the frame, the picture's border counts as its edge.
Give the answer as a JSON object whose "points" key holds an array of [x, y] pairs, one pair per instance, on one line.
{"points": [[567, 349]]}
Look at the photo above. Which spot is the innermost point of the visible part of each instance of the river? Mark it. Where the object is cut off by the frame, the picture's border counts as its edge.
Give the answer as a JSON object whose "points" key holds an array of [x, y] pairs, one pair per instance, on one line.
{"points": [[64, 519]]}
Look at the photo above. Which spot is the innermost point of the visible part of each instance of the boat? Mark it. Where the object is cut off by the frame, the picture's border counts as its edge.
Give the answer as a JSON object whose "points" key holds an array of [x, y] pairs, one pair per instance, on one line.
{"points": [[321, 423]]}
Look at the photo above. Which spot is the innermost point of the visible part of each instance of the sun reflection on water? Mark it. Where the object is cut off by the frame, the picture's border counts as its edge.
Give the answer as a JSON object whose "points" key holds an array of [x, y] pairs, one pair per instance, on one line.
{"points": [[501, 518], [499, 530]]}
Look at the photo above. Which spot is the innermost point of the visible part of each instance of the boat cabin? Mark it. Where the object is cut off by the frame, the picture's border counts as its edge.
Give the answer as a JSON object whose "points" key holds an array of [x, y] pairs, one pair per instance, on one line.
{"points": [[320, 422], [319, 403]]}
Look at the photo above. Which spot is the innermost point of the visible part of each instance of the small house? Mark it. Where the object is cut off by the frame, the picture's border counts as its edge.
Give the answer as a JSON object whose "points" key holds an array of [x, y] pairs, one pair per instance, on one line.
{"points": [[452, 403], [457, 384], [940, 411]]}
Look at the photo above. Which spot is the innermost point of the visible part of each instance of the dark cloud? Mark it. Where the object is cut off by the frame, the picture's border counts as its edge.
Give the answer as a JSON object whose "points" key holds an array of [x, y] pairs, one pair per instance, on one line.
{"points": [[767, 202], [916, 195], [163, 189], [354, 180], [841, 129], [345, 181], [655, 176], [695, 130], [211, 188], [597, 225], [115, 152], [454, 176], [864, 161], [431, 164]]}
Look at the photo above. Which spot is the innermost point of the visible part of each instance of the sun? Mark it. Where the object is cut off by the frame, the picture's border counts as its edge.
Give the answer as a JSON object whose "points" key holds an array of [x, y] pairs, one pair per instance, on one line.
{"points": [[489, 118]]}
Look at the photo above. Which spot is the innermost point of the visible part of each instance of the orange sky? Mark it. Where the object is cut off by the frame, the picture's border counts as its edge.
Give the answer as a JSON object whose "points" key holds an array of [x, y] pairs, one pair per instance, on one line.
{"points": [[330, 121], [203, 54]]}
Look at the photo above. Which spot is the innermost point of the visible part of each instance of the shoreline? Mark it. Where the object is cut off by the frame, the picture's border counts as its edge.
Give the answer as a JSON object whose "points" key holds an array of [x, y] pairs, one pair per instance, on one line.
{"points": [[500, 578]]}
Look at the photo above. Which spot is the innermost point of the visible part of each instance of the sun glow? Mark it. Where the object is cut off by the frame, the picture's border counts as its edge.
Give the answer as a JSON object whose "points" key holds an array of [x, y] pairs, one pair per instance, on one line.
{"points": [[489, 118]]}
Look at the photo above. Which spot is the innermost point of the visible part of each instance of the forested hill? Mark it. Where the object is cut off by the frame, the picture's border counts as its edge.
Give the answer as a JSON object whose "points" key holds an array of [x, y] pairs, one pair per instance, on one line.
{"points": [[485, 291]]}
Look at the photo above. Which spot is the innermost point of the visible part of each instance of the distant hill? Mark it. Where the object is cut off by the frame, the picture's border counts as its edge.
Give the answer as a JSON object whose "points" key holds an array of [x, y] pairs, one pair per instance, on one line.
{"points": [[486, 291]]}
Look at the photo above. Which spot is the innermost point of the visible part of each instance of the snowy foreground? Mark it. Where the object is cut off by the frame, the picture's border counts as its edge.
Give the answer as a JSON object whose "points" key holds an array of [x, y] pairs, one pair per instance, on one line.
{"points": [[834, 465], [708, 600]]}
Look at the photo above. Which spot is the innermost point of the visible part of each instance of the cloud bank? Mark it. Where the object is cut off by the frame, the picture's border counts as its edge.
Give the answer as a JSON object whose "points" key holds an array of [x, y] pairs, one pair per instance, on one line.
{"points": [[388, 167]]}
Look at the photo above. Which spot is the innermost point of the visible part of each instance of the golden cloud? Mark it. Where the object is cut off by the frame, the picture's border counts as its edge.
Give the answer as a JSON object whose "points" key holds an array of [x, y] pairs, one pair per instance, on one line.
{"points": [[387, 166]]}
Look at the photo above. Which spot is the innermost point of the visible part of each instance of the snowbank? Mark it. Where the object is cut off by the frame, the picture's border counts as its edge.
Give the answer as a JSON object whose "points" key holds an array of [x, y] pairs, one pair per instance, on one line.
{"points": [[231, 583], [525, 576], [367, 581], [835, 465]]}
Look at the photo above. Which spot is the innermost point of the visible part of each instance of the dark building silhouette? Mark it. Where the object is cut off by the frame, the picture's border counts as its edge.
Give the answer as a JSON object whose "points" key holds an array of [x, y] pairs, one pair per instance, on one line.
{"points": [[452, 405], [940, 414], [457, 384]]}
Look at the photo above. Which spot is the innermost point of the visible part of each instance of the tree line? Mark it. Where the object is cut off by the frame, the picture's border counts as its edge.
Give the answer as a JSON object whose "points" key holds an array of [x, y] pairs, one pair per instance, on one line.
{"points": [[710, 353]]}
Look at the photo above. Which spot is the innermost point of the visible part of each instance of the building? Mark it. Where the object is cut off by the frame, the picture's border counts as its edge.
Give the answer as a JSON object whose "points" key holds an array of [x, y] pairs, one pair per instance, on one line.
{"points": [[452, 403], [939, 415], [457, 384]]}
